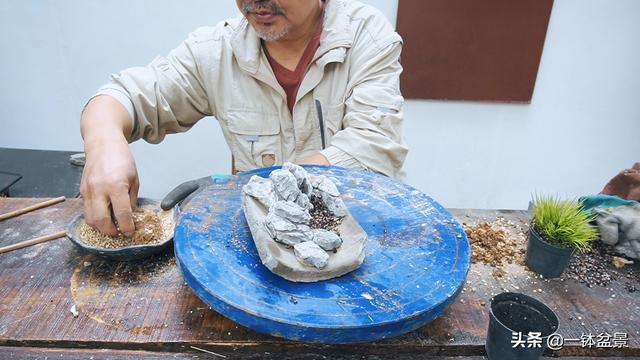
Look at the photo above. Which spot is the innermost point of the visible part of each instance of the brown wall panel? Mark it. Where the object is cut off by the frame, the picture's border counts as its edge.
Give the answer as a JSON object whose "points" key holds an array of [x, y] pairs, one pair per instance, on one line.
{"points": [[479, 50]]}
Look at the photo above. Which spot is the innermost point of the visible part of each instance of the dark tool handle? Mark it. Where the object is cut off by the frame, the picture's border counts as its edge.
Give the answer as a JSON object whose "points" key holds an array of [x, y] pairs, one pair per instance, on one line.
{"points": [[179, 193], [321, 119], [185, 191]]}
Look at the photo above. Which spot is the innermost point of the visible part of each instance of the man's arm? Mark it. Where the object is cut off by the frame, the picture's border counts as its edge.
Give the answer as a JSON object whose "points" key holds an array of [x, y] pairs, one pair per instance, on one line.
{"points": [[317, 159], [372, 133], [166, 96], [109, 180]]}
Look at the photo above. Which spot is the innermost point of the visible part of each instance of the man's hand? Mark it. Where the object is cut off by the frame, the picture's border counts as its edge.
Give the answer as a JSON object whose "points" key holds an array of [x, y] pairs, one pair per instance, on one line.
{"points": [[317, 159], [110, 185], [110, 182], [626, 184]]}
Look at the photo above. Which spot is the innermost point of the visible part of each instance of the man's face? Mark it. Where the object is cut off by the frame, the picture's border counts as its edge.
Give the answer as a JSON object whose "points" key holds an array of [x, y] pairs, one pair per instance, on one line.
{"points": [[273, 20]]}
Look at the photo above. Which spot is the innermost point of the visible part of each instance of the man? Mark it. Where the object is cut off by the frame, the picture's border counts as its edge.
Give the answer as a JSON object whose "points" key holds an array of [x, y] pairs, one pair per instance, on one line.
{"points": [[309, 81]]}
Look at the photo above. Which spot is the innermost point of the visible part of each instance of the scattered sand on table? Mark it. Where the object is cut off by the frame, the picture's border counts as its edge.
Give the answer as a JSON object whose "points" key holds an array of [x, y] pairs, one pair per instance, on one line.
{"points": [[500, 242], [150, 229]]}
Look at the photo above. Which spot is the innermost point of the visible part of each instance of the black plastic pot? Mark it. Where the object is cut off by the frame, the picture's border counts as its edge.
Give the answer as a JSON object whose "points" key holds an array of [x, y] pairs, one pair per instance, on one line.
{"points": [[517, 313], [544, 258]]}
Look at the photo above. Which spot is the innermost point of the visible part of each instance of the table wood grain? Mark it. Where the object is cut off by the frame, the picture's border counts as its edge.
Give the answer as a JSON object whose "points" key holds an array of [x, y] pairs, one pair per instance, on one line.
{"points": [[27, 353], [146, 306]]}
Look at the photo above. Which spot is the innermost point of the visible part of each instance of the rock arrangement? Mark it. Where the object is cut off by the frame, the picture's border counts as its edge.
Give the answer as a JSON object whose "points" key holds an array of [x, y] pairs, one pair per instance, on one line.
{"points": [[290, 194]]}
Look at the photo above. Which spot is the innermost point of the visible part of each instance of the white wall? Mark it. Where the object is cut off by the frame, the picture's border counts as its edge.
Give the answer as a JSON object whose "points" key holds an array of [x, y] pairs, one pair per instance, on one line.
{"points": [[580, 129]]}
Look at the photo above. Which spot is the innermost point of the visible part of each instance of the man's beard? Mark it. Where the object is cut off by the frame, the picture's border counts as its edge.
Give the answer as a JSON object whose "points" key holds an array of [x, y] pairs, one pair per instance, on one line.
{"points": [[255, 6], [271, 36]]}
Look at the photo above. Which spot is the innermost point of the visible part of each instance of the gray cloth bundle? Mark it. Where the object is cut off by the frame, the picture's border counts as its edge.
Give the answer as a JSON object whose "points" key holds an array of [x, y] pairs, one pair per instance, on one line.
{"points": [[620, 227]]}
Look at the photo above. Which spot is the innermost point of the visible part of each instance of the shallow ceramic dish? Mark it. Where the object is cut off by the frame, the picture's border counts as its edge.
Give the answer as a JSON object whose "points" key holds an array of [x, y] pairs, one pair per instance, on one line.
{"points": [[127, 253], [280, 258]]}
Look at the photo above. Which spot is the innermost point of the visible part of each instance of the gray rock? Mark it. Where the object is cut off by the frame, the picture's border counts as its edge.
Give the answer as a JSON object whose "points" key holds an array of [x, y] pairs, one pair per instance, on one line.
{"points": [[306, 188], [288, 217], [328, 193], [335, 205], [325, 185], [301, 176], [261, 189], [285, 185], [276, 224], [310, 254], [302, 233], [286, 232], [290, 211], [297, 171], [304, 202], [327, 240]]}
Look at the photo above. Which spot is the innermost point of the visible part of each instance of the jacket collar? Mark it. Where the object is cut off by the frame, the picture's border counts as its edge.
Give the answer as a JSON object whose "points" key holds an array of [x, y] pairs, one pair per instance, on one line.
{"points": [[336, 33]]}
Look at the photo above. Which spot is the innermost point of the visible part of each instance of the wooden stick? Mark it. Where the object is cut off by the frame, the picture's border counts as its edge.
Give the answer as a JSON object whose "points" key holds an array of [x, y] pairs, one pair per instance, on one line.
{"points": [[208, 352], [32, 207], [31, 242]]}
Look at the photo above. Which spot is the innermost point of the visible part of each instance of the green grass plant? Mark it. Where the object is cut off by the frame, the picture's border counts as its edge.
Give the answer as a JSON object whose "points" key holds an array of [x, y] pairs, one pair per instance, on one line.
{"points": [[563, 222]]}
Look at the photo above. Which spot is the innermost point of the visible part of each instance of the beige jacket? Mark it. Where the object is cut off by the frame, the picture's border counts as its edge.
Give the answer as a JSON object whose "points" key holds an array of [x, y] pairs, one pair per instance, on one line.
{"points": [[222, 71]]}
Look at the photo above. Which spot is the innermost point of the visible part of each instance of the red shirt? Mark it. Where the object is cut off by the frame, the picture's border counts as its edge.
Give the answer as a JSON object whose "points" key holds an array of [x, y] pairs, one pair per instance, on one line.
{"points": [[290, 80]]}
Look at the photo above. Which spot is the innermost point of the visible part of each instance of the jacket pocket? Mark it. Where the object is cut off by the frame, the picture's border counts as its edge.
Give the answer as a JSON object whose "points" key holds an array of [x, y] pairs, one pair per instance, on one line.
{"points": [[255, 139]]}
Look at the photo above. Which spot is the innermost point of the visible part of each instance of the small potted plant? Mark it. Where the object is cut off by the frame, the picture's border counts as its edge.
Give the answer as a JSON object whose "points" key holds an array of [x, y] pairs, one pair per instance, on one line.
{"points": [[558, 228]]}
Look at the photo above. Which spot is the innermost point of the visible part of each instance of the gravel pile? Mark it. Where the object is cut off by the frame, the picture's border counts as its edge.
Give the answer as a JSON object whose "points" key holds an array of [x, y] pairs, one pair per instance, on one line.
{"points": [[491, 245], [322, 218], [501, 242], [150, 228]]}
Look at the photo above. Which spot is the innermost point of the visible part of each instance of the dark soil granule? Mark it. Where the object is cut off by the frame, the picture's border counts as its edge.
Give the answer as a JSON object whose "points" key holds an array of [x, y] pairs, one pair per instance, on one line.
{"points": [[594, 267], [321, 218]]}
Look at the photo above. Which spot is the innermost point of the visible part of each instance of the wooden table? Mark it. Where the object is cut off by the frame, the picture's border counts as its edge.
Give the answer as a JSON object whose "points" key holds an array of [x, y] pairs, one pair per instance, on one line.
{"points": [[146, 311]]}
